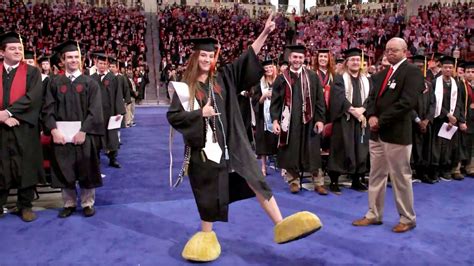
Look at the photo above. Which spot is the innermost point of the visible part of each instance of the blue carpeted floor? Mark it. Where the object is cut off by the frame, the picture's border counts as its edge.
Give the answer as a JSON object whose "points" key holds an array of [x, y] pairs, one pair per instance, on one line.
{"points": [[140, 221]]}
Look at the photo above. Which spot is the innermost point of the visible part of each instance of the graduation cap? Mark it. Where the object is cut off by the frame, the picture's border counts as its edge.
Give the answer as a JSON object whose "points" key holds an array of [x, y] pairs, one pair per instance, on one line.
{"points": [[43, 59], [447, 60], [104, 57], [11, 37], [114, 61], [268, 62], [208, 44], [323, 51], [29, 55], [436, 56], [68, 46], [468, 65], [283, 62], [418, 59], [461, 64], [352, 52], [296, 48], [339, 60]]}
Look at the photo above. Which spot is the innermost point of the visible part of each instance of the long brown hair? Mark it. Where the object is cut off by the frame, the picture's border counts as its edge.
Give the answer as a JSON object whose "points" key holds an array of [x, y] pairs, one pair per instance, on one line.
{"points": [[331, 63], [190, 77], [270, 79]]}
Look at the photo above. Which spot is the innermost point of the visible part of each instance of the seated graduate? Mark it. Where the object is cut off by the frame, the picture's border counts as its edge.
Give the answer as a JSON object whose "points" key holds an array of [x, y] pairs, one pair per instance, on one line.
{"points": [[222, 166]]}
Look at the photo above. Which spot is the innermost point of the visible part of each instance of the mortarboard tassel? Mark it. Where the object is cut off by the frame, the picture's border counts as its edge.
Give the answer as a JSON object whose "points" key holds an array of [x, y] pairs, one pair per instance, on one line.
{"points": [[22, 47], [34, 57], [80, 56], [455, 67], [424, 68]]}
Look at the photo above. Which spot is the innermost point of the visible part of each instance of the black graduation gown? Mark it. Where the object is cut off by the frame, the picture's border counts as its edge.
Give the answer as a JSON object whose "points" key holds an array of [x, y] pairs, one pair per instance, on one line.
{"points": [[112, 104], [422, 142], [325, 140], [349, 146], [79, 100], [470, 127], [246, 111], [442, 149], [216, 185], [302, 154], [432, 77], [265, 141], [21, 159], [464, 149]]}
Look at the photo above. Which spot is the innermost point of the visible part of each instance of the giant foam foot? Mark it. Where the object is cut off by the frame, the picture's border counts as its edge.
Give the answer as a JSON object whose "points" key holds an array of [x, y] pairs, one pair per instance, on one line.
{"points": [[296, 226], [202, 247]]}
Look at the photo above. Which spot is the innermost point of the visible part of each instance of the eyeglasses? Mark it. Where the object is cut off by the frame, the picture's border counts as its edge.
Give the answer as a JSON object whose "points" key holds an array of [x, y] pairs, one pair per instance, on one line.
{"points": [[392, 50]]}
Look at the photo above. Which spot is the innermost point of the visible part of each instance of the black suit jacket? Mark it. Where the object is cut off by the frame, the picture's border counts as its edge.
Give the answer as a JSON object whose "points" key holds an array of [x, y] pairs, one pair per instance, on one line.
{"points": [[394, 107]]}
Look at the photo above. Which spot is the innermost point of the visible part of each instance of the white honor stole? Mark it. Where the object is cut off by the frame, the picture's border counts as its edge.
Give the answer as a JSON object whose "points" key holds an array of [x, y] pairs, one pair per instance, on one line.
{"points": [[212, 149], [439, 96], [268, 124]]}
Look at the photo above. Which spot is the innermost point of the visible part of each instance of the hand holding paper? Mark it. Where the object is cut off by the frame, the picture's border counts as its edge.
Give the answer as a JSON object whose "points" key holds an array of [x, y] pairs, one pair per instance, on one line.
{"points": [[447, 131], [115, 122], [65, 131]]}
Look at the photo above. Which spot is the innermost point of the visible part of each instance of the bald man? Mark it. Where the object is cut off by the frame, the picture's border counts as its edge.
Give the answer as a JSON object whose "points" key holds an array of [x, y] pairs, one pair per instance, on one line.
{"points": [[390, 104]]}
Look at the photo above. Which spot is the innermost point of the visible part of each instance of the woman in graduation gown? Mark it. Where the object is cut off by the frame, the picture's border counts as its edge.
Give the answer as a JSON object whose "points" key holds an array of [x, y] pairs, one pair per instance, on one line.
{"points": [[222, 166], [265, 141]]}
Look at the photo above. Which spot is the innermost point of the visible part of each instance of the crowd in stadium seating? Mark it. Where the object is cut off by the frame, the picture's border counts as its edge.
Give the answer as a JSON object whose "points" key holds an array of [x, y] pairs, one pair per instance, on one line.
{"points": [[115, 29], [436, 28]]}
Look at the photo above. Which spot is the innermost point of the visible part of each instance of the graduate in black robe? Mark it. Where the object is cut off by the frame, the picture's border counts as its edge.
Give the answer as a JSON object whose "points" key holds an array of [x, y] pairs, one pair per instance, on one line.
{"points": [[265, 140], [349, 148], [468, 83], [112, 105], [21, 160], [323, 66], [422, 117], [448, 110], [74, 97], [298, 119], [123, 84], [219, 178], [464, 148]]}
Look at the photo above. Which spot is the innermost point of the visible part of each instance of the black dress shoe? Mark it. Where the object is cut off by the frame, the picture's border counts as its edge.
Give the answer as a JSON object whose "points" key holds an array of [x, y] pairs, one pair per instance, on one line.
{"points": [[114, 164], [334, 188], [446, 177], [88, 211], [2, 212], [425, 179], [66, 212], [358, 186]]}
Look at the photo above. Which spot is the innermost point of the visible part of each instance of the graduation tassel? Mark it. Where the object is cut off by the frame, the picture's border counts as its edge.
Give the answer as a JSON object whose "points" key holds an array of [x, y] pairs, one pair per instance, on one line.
{"points": [[362, 62], [226, 153], [80, 56], [455, 66], [424, 68], [22, 47]]}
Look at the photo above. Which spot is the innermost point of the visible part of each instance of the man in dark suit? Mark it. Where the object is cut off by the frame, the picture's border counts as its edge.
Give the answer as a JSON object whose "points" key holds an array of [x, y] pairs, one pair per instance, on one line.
{"points": [[389, 109]]}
